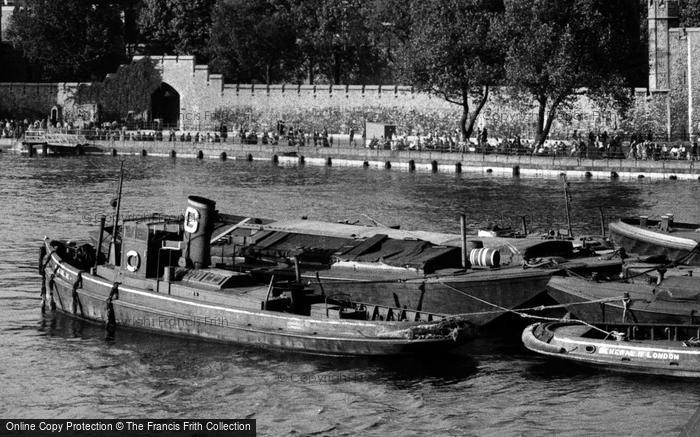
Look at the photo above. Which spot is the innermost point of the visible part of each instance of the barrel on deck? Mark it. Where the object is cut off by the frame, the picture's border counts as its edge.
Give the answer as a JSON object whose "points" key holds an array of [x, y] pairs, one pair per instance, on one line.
{"points": [[485, 257]]}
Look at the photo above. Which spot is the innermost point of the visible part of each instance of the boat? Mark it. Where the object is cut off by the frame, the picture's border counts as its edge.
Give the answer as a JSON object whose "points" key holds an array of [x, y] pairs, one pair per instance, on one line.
{"points": [[413, 270], [158, 278], [630, 348], [479, 278], [671, 298], [663, 239]]}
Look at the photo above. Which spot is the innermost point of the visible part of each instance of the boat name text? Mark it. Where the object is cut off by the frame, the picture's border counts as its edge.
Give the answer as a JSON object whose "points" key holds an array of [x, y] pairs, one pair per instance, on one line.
{"points": [[634, 353]]}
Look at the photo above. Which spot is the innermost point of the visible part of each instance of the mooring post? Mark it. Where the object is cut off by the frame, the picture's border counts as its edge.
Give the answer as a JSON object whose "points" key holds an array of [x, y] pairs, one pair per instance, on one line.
{"points": [[297, 272], [524, 222], [463, 229]]}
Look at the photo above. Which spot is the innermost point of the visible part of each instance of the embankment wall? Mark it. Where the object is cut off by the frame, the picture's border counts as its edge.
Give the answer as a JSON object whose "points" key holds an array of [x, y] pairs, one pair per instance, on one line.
{"points": [[452, 162]]}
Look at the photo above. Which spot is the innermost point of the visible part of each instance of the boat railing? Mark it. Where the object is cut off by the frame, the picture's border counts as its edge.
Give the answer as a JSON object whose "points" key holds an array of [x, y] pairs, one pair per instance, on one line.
{"points": [[654, 331], [155, 216], [386, 313], [35, 136]]}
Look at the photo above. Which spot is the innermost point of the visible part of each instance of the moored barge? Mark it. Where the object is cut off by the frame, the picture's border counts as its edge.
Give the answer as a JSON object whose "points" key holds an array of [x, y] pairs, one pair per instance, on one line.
{"points": [[157, 277]]}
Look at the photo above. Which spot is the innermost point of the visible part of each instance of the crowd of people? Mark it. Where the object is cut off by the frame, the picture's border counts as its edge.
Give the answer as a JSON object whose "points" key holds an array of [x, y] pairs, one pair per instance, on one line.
{"points": [[413, 131], [11, 128]]}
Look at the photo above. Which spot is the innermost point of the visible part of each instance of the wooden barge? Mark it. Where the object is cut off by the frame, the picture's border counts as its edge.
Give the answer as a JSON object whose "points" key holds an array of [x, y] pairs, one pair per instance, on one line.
{"points": [[421, 272], [663, 239], [158, 278]]}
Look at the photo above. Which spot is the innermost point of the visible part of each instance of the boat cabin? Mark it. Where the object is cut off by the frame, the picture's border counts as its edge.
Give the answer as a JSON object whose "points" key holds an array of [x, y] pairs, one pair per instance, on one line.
{"points": [[149, 245]]}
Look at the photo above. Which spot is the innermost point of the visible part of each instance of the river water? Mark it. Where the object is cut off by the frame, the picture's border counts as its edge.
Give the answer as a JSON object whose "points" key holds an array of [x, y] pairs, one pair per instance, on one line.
{"points": [[53, 366]]}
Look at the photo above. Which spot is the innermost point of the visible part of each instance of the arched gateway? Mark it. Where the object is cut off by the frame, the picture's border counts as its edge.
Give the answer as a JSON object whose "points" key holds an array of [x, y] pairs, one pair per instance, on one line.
{"points": [[165, 105]]}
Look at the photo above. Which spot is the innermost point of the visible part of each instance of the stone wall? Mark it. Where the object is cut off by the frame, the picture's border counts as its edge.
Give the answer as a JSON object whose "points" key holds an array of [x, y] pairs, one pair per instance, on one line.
{"points": [[206, 101], [685, 81], [36, 100], [524, 165], [5, 16]]}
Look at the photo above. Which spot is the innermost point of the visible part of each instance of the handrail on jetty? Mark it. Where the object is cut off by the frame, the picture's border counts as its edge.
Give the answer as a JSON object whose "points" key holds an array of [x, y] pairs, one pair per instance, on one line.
{"points": [[53, 138]]}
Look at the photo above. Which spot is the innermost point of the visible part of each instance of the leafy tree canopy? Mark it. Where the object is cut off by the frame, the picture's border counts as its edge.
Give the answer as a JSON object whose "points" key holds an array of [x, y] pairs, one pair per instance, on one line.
{"points": [[689, 13], [454, 52], [177, 26], [70, 40], [555, 48], [337, 40], [254, 41], [129, 89]]}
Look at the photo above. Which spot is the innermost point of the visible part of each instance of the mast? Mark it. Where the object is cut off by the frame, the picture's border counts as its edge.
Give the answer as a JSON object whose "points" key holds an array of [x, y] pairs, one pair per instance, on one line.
{"points": [[567, 199], [463, 233], [113, 246]]}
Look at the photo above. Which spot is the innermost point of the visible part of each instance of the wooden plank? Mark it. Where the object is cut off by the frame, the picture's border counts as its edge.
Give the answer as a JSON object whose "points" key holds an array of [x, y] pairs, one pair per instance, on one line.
{"points": [[269, 240], [230, 229]]}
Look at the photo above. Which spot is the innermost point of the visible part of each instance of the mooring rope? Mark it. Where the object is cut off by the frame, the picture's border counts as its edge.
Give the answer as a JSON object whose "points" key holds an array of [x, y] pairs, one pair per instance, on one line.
{"points": [[42, 272], [44, 260], [335, 281], [76, 301], [670, 265], [52, 282], [502, 309], [538, 308], [110, 321]]}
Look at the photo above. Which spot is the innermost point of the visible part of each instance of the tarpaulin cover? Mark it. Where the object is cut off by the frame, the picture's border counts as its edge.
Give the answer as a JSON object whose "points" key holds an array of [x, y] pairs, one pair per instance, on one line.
{"points": [[315, 248], [407, 253], [679, 288], [548, 248]]}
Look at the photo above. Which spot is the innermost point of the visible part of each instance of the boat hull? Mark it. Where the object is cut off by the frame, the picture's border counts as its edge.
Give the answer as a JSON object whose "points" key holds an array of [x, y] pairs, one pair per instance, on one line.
{"points": [[565, 342], [96, 299], [480, 297], [643, 241], [583, 300]]}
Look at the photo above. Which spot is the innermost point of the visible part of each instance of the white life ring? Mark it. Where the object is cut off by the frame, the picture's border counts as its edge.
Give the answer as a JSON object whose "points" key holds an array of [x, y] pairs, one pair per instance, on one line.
{"points": [[133, 261]]}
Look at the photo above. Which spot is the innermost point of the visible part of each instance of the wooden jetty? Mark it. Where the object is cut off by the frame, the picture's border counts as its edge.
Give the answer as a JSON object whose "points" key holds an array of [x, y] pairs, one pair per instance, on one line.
{"points": [[53, 143]]}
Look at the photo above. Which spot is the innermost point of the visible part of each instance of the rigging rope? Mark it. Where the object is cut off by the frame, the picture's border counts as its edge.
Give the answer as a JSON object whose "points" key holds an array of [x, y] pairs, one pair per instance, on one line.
{"points": [[670, 265], [76, 301], [538, 308]]}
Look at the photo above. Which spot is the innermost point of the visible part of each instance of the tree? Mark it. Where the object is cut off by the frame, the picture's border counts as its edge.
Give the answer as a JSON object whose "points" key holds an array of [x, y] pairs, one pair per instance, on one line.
{"points": [[335, 39], [453, 52], [389, 24], [555, 48], [70, 40], [177, 26], [253, 41], [689, 13], [129, 89]]}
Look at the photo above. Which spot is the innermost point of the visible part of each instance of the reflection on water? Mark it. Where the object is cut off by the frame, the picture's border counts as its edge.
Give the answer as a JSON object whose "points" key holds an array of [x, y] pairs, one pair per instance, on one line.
{"points": [[56, 366]]}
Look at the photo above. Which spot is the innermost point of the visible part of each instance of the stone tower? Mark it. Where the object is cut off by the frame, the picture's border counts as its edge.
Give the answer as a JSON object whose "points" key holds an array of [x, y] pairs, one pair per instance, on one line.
{"points": [[663, 15], [6, 8]]}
